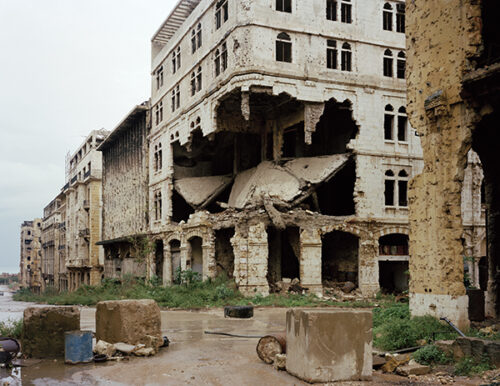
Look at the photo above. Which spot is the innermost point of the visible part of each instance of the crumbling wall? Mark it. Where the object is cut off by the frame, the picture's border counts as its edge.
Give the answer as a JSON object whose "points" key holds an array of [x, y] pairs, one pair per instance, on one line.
{"points": [[438, 115], [224, 255]]}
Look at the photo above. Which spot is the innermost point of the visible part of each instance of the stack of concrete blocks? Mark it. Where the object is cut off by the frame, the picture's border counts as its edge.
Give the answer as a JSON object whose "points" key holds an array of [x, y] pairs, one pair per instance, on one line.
{"points": [[44, 328], [129, 321], [329, 345]]}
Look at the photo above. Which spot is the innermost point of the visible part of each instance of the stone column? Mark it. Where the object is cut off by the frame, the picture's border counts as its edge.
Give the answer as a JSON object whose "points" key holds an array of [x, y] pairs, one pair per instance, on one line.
{"points": [[184, 252], [368, 273], [310, 260], [167, 264], [209, 264], [252, 263]]}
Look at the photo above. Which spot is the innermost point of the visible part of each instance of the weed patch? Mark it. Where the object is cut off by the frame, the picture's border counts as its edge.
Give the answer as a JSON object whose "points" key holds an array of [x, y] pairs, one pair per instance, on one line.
{"points": [[11, 328], [429, 355], [468, 366]]}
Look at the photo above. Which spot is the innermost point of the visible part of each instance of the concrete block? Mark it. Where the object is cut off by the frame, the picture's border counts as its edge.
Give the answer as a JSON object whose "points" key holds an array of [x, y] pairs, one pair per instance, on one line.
{"points": [[128, 321], [44, 328], [329, 345]]}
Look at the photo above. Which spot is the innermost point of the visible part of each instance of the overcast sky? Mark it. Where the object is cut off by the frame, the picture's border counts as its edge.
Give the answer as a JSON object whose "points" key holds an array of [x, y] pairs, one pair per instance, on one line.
{"points": [[66, 67]]}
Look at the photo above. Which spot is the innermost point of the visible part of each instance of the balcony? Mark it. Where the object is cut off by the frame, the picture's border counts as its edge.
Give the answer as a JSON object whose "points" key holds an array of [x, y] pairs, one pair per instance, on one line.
{"points": [[73, 180], [65, 187], [86, 174]]}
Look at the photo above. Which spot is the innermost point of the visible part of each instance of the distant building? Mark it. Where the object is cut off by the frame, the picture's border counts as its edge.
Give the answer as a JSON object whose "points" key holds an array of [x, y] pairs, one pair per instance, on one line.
{"points": [[125, 213], [53, 237], [30, 269], [84, 259]]}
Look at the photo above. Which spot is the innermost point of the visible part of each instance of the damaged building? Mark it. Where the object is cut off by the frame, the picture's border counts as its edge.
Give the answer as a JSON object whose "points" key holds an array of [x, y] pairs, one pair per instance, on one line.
{"points": [[125, 214], [453, 103], [82, 191], [279, 144], [30, 259]]}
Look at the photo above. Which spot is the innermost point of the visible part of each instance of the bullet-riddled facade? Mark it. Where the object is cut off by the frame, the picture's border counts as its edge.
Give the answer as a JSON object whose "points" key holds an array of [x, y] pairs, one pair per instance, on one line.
{"points": [[280, 146]]}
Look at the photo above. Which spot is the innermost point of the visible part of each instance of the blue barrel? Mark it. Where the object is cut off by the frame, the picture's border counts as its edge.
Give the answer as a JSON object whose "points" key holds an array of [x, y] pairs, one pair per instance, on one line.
{"points": [[78, 347]]}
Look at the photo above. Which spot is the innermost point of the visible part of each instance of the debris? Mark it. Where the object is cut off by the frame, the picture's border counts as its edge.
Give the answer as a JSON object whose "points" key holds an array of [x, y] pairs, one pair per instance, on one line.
{"points": [[348, 287], [296, 287], [125, 348], [413, 369], [144, 351], [487, 330], [280, 362], [394, 361], [104, 348], [274, 214], [238, 311], [378, 361], [271, 345]]}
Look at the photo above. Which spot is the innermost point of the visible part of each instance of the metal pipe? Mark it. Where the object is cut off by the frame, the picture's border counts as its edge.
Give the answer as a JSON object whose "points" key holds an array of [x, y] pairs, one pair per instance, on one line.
{"points": [[453, 326]]}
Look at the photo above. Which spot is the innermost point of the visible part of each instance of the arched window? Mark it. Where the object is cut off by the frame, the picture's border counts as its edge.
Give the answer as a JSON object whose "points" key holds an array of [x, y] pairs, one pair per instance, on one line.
{"points": [[346, 57], [193, 83], [331, 54], [284, 48], [193, 41], [387, 17], [396, 188], [157, 204], [388, 63], [284, 5], [331, 10], [401, 65], [224, 57], [198, 36], [198, 79], [402, 125], [389, 123], [346, 11], [400, 18]]}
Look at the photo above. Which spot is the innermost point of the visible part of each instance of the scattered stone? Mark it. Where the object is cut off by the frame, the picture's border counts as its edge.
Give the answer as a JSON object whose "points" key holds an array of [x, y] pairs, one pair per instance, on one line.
{"points": [[378, 361], [125, 348], [145, 351], [348, 287], [487, 330], [154, 342], [394, 361], [413, 369], [280, 362], [445, 346], [44, 328], [105, 348], [127, 321]]}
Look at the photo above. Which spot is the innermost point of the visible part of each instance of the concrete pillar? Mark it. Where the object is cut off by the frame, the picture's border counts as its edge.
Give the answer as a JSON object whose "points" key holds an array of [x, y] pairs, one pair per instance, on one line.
{"points": [[167, 264], [368, 274], [184, 251], [251, 260], [310, 260]]}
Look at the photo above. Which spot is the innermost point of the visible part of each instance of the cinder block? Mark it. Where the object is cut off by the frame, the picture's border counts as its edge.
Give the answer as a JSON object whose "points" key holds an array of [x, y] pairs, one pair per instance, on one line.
{"points": [[44, 328], [329, 345], [127, 321]]}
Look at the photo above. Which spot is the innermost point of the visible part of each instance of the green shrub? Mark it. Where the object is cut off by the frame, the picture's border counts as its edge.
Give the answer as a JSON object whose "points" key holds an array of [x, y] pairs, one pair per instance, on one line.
{"points": [[468, 366], [430, 354], [11, 328]]}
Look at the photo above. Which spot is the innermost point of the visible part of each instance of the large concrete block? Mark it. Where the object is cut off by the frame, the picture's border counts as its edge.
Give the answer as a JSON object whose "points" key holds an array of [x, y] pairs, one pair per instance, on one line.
{"points": [[44, 328], [329, 345], [128, 321]]}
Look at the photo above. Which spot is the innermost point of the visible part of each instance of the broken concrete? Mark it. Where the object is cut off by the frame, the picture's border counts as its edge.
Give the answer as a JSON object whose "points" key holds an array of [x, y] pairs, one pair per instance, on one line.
{"points": [[199, 191], [329, 345], [128, 321], [44, 328]]}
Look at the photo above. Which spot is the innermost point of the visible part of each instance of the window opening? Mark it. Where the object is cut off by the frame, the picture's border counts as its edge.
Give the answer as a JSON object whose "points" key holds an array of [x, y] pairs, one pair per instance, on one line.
{"points": [[159, 77], [331, 54], [157, 205], [159, 113], [387, 17], [331, 10], [346, 64], [403, 188], [346, 11], [388, 123], [221, 13], [400, 18], [217, 62], [284, 5], [401, 65], [388, 63], [402, 124], [389, 188], [283, 48]]}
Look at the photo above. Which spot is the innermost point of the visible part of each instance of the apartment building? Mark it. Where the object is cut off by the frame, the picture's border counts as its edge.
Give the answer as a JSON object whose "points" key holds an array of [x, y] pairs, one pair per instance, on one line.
{"points": [[125, 189], [53, 242], [29, 267], [280, 146], [84, 259]]}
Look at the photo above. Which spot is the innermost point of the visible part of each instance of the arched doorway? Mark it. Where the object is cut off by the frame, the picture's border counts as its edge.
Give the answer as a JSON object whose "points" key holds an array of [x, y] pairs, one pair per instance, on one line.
{"points": [[175, 257], [159, 259], [196, 255], [339, 257]]}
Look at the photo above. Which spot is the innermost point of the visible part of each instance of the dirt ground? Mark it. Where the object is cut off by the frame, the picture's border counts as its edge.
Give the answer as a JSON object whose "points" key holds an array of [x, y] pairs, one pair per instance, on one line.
{"points": [[193, 357]]}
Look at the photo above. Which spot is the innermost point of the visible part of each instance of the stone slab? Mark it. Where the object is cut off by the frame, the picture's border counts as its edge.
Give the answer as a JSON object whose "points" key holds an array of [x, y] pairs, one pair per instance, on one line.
{"points": [[44, 328], [329, 345], [128, 321]]}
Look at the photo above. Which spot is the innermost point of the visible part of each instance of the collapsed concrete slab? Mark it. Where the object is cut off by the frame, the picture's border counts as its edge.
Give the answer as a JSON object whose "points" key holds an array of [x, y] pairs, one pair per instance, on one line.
{"points": [[128, 321], [329, 345], [200, 191], [44, 328], [284, 183]]}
